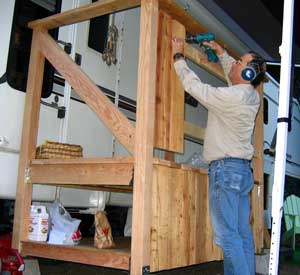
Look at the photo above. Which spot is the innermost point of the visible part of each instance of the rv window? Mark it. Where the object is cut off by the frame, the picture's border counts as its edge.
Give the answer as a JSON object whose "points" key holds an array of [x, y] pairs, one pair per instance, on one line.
{"points": [[98, 32], [266, 111], [20, 42], [274, 71], [266, 191]]}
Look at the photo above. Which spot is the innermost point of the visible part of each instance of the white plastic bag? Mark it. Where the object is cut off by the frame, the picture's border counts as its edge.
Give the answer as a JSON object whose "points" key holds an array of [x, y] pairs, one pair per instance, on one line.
{"points": [[127, 228], [63, 226], [197, 161]]}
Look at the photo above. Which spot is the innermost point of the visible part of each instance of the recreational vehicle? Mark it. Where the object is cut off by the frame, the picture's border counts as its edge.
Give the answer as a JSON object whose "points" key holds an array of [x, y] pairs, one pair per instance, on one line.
{"points": [[107, 49]]}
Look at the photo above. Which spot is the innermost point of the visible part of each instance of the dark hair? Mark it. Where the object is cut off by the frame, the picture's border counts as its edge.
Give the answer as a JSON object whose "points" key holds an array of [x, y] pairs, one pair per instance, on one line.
{"points": [[259, 65]]}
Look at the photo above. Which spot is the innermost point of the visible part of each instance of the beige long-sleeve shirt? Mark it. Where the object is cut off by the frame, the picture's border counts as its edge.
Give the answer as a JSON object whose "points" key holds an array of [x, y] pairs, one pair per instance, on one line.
{"points": [[231, 112]]}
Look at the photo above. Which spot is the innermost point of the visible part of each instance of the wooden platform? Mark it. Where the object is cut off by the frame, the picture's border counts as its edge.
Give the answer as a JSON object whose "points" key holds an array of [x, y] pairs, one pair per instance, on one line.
{"points": [[170, 222], [180, 232], [82, 171], [84, 253]]}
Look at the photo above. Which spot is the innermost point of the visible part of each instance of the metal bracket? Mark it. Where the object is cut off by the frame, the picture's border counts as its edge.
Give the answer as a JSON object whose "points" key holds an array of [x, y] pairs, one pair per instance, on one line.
{"points": [[27, 175], [146, 270], [67, 46], [61, 110]]}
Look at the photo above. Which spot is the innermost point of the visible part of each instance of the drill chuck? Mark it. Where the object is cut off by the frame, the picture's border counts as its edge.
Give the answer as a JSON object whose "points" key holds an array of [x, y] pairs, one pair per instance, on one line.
{"points": [[204, 37]]}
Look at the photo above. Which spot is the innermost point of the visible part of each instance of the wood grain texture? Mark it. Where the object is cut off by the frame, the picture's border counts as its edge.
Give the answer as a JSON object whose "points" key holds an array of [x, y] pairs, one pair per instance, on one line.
{"points": [[83, 13], [192, 26], [141, 215], [257, 195], [82, 172], [206, 249], [113, 119], [267, 237], [169, 108], [201, 59], [181, 232], [193, 131], [176, 112], [177, 13], [108, 188], [163, 85], [258, 141], [256, 219], [83, 253], [116, 160], [169, 156], [28, 144]]}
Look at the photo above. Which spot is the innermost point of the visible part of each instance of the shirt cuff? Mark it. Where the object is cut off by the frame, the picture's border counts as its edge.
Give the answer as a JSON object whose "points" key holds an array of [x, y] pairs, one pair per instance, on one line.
{"points": [[223, 55], [179, 65]]}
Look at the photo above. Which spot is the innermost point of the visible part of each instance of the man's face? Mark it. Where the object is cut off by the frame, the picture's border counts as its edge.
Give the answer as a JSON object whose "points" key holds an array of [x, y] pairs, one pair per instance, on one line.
{"points": [[235, 74]]}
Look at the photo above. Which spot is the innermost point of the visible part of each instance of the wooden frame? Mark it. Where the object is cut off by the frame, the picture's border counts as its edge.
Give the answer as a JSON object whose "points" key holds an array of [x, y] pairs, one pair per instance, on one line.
{"points": [[116, 171], [152, 247], [84, 253]]}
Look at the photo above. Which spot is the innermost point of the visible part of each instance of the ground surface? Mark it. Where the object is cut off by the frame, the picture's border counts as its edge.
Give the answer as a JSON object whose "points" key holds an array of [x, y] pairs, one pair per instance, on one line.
{"points": [[48, 267]]}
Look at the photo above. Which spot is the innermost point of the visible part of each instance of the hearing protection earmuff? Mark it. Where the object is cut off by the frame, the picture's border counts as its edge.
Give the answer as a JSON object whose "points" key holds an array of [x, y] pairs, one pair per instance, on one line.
{"points": [[250, 72]]}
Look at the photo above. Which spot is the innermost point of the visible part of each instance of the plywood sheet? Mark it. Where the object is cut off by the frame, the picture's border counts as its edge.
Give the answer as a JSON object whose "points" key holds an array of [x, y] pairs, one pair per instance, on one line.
{"points": [[181, 232], [169, 108]]}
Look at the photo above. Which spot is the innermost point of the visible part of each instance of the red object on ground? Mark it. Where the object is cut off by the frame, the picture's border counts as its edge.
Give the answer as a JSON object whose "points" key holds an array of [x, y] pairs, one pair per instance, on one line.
{"points": [[11, 259], [5, 240]]}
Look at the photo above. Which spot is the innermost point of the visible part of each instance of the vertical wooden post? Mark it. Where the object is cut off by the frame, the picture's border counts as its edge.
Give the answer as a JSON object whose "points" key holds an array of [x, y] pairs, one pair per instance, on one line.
{"points": [[140, 244], [257, 195], [28, 144], [258, 140], [169, 156]]}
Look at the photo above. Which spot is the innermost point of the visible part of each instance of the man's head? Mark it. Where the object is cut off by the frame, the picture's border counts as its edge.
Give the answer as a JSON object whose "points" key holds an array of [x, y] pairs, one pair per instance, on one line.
{"points": [[249, 69]]}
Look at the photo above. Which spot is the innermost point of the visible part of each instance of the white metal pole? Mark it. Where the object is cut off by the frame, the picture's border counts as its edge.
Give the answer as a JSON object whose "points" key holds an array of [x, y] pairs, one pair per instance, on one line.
{"points": [[282, 129], [64, 123], [72, 35]]}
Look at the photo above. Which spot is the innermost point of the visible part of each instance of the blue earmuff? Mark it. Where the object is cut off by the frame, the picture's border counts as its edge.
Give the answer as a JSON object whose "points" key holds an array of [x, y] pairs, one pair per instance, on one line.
{"points": [[248, 73]]}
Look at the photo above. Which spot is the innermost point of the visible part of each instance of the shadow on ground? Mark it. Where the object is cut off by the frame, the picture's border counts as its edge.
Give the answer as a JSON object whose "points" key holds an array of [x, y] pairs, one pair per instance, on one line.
{"points": [[53, 267]]}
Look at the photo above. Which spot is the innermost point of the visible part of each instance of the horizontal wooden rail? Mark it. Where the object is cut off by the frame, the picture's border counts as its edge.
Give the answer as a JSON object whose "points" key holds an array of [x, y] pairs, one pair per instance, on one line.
{"points": [[83, 13], [107, 112], [81, 171], [107, 188], [191, 25], [179, 14], [201, 59], [110, 6], [193, 131], [84, 253], [172, 164]]}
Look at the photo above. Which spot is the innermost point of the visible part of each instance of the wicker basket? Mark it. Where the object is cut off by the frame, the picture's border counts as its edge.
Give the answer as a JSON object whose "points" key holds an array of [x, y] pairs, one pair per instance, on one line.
{"points": [[51, 149]]}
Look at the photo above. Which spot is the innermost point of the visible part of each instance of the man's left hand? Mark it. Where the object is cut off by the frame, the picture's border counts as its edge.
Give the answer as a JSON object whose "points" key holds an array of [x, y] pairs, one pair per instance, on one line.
{"points": [[177, 45]]}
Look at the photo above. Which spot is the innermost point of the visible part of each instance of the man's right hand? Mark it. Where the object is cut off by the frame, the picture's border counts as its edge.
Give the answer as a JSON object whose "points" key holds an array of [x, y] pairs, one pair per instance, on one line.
{"points": [[215, 46]]}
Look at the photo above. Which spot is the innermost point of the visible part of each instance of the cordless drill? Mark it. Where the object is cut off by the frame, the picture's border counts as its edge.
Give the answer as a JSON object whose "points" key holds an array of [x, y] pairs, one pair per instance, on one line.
{"points": [[204, 37]]}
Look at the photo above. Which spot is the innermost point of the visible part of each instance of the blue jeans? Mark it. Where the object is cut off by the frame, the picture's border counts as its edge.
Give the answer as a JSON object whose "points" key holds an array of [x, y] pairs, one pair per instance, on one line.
{"points": [[230, 181]]}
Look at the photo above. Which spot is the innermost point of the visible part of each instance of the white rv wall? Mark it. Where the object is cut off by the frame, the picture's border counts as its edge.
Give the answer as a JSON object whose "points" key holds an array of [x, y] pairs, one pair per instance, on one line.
{"points": [[11, 110], [271, 93], [84, 127]]}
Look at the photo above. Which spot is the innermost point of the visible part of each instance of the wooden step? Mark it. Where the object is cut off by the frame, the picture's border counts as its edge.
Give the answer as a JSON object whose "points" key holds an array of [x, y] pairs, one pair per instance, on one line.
{"points": [[81, 171], [84, 253]]}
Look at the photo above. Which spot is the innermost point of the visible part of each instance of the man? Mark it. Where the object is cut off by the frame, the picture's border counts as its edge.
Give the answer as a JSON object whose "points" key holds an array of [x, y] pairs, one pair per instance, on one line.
{"points": [[227, 147]]}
